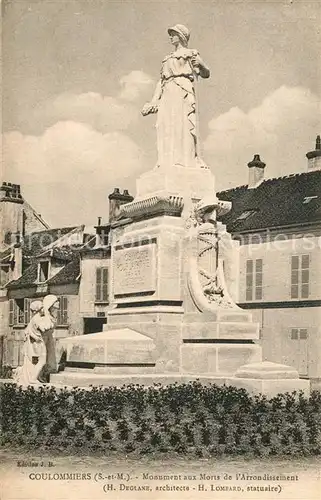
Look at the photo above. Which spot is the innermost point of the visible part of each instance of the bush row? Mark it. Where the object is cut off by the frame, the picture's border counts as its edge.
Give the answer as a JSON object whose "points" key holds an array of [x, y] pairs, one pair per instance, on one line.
{"points": [[6, 371], [182, 418]]}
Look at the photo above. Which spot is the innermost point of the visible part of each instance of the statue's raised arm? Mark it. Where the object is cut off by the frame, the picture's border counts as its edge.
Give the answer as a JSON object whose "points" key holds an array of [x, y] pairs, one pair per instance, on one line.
{"points": [[175, 103]]}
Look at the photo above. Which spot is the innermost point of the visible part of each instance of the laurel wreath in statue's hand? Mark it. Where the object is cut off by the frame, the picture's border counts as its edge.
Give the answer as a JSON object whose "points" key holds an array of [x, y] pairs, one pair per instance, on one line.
{"points": [[149, 108]]}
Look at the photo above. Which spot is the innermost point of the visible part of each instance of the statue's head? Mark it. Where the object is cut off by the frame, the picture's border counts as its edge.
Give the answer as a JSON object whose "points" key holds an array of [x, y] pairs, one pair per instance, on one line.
{"points": [[51, 304], [181, 31], [35, 306]]}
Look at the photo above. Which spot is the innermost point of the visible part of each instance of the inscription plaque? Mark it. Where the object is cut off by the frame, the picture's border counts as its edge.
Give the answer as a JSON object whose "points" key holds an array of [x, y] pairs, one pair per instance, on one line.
{"points": [[135, 270]]}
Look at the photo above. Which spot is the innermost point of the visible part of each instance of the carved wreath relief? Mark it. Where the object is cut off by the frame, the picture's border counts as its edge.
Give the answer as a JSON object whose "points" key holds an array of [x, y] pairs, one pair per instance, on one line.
{"points": [[210, 279]]}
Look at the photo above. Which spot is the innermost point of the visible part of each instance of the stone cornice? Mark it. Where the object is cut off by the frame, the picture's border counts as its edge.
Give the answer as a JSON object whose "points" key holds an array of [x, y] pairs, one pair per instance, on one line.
{"points": [[154, 205]]}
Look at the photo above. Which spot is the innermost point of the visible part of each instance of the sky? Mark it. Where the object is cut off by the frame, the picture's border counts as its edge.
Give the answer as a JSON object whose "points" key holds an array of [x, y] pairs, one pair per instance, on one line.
{"points": [[76, 74]]}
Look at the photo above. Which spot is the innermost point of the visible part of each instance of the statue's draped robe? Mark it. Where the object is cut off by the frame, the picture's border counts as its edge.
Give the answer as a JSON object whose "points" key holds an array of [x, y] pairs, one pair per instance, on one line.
{"points": [[176, 120], [36, 354]]}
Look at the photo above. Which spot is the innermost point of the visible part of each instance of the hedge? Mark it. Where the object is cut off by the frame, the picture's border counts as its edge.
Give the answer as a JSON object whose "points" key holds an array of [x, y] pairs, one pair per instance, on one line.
{"points": [[183, 418], [6, 371]]}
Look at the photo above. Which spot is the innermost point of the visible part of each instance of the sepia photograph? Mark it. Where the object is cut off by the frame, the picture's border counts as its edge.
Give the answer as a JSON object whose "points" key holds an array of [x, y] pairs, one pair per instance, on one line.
{"points": [[160, 250]]}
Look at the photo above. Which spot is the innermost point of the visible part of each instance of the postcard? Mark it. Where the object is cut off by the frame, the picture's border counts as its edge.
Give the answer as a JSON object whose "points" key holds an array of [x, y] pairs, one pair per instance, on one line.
{"points": [[160, 299]]}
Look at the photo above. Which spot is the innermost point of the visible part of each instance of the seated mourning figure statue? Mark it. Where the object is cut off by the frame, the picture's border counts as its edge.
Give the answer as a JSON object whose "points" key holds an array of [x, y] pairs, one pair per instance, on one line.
{"points": [[39, 345]]}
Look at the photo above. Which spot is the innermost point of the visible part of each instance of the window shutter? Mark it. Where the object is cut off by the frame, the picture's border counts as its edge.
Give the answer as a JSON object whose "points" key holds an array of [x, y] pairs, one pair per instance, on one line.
{"points": [[64, 303], [11, 312], [249, 280], [15, 312], [294, 334], [59, 315], [26, 310], [258, 279], [295, 263], [104, 293], [303, 333], [305, 276], [98, 283]]}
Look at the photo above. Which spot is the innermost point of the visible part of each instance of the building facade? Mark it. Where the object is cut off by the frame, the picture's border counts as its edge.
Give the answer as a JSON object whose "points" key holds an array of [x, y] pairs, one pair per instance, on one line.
{"points": [[278, 224], [52, 267]]}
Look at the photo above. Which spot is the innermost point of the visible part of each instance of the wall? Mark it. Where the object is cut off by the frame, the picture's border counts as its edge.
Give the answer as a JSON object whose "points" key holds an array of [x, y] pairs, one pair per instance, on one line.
{"points": [[33, 220], [87, 290], [75, 321], [276, 258], [11, 218], [277, 320]]}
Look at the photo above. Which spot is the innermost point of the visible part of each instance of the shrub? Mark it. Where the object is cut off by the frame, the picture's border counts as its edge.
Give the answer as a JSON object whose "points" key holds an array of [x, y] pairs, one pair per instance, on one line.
{"points": [[6, 371], [185, 419]]}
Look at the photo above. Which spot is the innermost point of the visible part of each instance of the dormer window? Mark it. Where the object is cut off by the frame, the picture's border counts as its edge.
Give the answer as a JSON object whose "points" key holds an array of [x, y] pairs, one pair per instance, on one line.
{"points": [[43, 271], [245, 215], [308, 199]]}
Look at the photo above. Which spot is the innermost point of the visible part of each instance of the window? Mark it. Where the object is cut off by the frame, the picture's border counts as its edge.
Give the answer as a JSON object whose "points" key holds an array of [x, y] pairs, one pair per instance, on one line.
{"points": [[102, 284], [245, 215], [19, 311], [4, 274], [307, 199], [43, 271], [299, 333], [103, 237], [254, 279], [62, 316], [300, 276]]}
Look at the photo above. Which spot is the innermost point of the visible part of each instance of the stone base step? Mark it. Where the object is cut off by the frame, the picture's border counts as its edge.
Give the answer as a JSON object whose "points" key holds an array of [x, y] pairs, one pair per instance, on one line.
{"points": [[120, 369], [270, 387], [202, 358], [79, 379]]}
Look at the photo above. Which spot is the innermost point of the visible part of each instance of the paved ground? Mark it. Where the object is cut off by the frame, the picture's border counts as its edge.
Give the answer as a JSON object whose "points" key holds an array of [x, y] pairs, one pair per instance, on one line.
{"points": [[51, 477]]}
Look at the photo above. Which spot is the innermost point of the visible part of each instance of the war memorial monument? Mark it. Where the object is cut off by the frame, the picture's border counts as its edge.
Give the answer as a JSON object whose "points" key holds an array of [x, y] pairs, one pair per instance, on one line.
{"points": [[174, 267]]}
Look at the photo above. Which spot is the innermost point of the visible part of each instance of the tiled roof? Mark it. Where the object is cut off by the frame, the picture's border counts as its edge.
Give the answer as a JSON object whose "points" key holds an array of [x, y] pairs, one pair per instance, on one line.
{"points": [[34, 243], [68, 274], [28, 278], [292, 200], [68, 254], [64, 253], [6, 255], [90, 242]]}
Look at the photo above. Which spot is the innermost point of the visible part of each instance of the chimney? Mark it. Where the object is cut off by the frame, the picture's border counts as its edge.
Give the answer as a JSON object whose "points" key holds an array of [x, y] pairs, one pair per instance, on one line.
{"points": [[314, 157], [116, 200], [256, 172], [10, 192]]}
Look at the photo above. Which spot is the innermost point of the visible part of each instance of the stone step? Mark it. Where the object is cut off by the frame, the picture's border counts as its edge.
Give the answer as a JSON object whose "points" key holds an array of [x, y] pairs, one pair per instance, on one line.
{"points": [[75, 379], [219, 330], [218, 358]]}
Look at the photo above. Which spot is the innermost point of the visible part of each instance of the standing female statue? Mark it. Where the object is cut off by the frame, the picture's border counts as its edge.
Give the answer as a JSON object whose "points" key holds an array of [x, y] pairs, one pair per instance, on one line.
{"points": [[175, 104], [39, 346]]}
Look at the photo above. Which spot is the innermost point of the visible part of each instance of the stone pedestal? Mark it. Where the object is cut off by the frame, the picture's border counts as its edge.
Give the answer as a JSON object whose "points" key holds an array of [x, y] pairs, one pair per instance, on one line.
{"points": [[269, 379], [173, 291], [191, 183], [119, 350]]}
